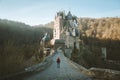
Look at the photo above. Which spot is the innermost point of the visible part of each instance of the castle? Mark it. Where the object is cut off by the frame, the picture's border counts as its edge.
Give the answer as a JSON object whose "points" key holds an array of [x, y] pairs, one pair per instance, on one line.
{"points": [[66, 29]]}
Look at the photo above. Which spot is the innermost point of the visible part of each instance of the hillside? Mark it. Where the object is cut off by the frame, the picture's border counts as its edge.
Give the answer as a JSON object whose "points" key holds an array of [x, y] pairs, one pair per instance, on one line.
{"points": [[102, 32], [95, 35], [48, 25], [19, 44], [102, 28]]}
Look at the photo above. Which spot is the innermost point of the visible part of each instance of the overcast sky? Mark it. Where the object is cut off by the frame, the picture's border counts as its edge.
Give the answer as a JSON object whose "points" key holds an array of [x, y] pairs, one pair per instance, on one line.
{"points": [[34, 12]]}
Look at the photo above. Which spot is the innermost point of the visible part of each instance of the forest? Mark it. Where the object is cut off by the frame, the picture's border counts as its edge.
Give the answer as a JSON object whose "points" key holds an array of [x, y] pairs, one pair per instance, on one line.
{"points": [[95, 34], [102, 32], [19, 45]]}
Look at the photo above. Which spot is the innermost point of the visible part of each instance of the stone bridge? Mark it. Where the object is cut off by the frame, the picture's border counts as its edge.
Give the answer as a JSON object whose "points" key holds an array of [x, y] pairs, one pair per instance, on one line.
{"points": [[67, 71]]}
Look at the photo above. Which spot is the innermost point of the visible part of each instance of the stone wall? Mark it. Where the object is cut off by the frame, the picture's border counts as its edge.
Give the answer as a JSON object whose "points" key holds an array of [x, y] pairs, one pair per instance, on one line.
{"points": [[68, 52], [104, 74]]}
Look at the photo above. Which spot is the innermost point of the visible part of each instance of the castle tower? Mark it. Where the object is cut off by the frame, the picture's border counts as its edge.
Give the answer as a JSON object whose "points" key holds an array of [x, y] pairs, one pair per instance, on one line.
{"points": [[66, 28], [58, 23]]}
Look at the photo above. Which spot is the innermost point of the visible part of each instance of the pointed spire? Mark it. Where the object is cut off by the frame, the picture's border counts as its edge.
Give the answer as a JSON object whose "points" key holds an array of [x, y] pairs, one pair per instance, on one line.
{"points": [[46, 37], [69, 16]]}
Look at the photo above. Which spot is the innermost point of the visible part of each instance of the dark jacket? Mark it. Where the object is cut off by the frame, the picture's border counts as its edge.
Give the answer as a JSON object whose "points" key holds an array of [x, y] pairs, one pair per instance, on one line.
{"points": [[58, 60]]}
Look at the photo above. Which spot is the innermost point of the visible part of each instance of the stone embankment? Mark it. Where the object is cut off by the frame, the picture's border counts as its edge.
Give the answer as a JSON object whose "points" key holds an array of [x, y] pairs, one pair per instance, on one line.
{"points": [[97, 73], [104, 74]]}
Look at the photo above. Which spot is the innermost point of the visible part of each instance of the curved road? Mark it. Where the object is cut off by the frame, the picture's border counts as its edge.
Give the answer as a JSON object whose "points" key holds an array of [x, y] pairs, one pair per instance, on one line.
{"points": [[65, 72]]}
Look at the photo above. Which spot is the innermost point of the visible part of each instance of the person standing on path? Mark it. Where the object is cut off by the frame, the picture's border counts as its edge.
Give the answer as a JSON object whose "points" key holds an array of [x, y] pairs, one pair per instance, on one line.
{"points": [[58, 62]]}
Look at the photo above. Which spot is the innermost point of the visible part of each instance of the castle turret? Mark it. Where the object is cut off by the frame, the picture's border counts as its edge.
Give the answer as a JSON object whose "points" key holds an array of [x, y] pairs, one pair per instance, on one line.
{"points": [[69, 16], [66, 28], [58, 23]]}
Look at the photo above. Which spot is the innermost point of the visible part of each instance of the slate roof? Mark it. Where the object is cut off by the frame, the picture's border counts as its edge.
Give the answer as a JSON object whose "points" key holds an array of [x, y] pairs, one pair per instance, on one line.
{"points": [[46, 38], [69, 16], [59, 41]]}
